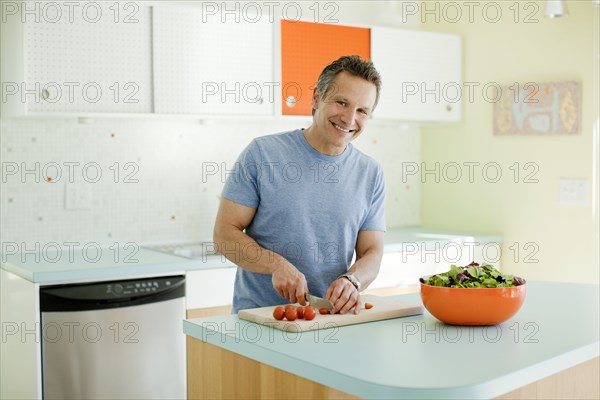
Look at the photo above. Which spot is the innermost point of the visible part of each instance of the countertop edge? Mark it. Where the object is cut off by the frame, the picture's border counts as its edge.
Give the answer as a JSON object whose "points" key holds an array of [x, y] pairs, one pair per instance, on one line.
{"points": [[493, 388], [541, 370], [27, 275], [179, 265]]}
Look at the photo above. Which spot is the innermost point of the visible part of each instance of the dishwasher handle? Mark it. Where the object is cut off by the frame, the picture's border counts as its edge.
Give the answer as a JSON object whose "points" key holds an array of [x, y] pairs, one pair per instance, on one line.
{"points": [[112, 294]]}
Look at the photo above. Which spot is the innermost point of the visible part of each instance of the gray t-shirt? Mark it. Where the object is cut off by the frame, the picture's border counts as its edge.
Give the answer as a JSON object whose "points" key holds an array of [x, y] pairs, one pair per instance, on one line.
{"points": [[309, 209]]}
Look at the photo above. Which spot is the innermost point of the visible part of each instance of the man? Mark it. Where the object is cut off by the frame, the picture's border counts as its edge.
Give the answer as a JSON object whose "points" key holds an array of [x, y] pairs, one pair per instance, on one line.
{"points": [[300, 203]]}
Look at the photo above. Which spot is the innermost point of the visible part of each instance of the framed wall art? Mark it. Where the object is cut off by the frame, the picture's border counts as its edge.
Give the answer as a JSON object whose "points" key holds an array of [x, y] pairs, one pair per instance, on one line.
{"points": [[538, 108]]}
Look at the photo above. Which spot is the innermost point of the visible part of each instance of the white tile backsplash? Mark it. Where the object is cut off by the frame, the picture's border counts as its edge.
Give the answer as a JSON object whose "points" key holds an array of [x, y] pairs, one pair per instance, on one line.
{"points": [[151, 187]]}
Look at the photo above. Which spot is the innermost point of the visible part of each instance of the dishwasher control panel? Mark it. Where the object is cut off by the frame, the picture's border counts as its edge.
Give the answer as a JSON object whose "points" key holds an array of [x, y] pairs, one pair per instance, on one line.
{"points": [[114, 292], [135, 287]]}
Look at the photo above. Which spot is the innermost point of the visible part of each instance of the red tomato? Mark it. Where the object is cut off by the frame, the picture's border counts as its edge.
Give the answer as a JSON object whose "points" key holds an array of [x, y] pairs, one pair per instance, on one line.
{"points": [[289, 307], [323, 311], [300, 311], [279, 313], [368, 306], [309, 313], [291, 314]]}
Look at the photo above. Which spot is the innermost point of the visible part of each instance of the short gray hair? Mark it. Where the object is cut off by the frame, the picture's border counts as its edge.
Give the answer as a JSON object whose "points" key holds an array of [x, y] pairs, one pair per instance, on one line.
{"points": [[354, 65]]}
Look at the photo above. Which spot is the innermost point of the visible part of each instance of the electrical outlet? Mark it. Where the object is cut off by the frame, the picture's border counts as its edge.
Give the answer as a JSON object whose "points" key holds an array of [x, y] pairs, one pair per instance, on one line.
{"points": [[78, 196], [574, 192]]}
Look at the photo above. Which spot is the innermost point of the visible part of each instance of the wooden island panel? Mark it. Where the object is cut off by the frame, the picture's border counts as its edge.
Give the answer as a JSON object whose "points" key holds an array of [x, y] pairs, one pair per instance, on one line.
{"points": [[215, 373]]}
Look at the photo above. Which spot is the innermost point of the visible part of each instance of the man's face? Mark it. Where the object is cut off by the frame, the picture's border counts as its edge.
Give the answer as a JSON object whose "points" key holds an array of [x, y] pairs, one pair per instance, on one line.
{"points": [[341, 115]]}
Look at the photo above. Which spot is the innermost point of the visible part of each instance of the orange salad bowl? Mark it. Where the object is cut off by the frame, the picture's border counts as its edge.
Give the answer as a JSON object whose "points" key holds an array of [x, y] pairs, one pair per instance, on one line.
{"points": [[472, 306]]}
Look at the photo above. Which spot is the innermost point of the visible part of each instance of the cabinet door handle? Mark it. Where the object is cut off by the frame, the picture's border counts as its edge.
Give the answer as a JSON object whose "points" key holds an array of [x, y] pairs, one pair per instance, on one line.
{"points": [[290, 101]]}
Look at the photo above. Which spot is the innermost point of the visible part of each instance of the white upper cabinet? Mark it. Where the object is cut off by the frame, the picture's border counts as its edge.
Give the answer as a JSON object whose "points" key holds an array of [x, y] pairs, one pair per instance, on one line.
{"points": [[205, 66], [421, 74], [87, 58], [174, 58]]}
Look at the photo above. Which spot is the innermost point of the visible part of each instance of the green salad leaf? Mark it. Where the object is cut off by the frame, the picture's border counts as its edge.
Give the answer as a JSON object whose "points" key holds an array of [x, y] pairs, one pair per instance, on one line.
{"points": [[473, 276]]}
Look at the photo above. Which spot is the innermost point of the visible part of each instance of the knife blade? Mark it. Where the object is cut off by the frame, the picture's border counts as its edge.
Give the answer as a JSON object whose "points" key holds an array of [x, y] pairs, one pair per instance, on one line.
{"points": [[318, 302]]}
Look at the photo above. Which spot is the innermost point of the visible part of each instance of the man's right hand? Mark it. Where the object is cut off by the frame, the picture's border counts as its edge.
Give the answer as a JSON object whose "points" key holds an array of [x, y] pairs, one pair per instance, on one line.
{"points": [[232, 219], [290, 283]]}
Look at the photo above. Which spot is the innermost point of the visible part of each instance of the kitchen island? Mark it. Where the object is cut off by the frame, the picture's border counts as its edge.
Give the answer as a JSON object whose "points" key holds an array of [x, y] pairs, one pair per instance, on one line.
{"points": [[209, 283], [549, 349]]}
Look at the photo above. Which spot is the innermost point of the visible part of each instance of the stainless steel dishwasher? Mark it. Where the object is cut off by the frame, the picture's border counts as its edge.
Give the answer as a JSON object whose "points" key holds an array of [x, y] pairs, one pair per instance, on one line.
{"points": [[114, 340]]}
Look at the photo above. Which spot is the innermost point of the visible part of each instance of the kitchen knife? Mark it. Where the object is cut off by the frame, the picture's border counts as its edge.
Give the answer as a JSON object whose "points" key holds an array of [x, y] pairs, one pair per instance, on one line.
{"points": [[318, 302]]}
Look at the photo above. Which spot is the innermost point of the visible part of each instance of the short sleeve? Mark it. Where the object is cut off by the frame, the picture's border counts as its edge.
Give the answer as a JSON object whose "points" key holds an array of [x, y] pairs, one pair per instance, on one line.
{"points": [[375, 220], [242, 184]]}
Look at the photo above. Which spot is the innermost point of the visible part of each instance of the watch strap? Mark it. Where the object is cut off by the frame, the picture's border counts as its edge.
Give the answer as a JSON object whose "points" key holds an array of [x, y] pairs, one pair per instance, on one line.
{"points": [[353, 280]]}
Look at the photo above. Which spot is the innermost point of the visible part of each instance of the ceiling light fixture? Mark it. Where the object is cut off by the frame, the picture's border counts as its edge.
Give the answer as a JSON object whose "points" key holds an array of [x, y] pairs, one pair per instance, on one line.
{"points": [[556, 9]]}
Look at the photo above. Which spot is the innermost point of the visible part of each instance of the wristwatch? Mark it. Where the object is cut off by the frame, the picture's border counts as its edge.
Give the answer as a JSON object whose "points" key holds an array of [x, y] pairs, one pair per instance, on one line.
{"points": [[353, 280]]}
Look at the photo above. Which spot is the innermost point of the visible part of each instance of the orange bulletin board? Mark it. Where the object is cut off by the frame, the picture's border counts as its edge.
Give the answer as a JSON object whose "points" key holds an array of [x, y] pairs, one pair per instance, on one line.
{"points": [[306, 48]]}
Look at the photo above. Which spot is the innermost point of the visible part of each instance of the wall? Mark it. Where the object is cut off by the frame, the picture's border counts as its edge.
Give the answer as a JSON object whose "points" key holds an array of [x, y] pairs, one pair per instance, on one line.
{"points": [[157, 183], [159, 179], [554, 242]]}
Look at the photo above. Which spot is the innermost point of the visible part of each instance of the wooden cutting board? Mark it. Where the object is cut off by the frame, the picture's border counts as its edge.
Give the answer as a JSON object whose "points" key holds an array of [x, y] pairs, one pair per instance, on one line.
{"points": [[383, 308]]}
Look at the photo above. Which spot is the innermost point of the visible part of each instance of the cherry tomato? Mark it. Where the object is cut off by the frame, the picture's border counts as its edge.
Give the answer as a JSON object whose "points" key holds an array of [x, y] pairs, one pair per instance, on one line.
{"points": [[300, 311], [289, 307], [309, 313], [368, 306], [279, 313], [291, 314], [323, 311]]}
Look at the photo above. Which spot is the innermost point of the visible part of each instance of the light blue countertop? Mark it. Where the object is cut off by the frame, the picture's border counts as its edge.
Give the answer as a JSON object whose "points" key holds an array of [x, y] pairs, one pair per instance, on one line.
{"points": [[421, 358], [75, 265], [53, 264]]}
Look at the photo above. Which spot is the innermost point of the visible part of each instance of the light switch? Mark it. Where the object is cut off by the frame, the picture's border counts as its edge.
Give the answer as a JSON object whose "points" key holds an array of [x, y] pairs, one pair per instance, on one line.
{"points": [[78, 196], [574, 192]]}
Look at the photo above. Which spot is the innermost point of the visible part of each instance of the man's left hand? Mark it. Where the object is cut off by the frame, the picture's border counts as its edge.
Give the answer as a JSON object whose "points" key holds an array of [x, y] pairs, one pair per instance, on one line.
{"points": [[344, 296]]}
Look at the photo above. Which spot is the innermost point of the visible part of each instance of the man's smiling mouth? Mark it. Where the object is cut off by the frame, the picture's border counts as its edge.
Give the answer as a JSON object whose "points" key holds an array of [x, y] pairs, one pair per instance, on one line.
{"points": [[339, 128]]}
